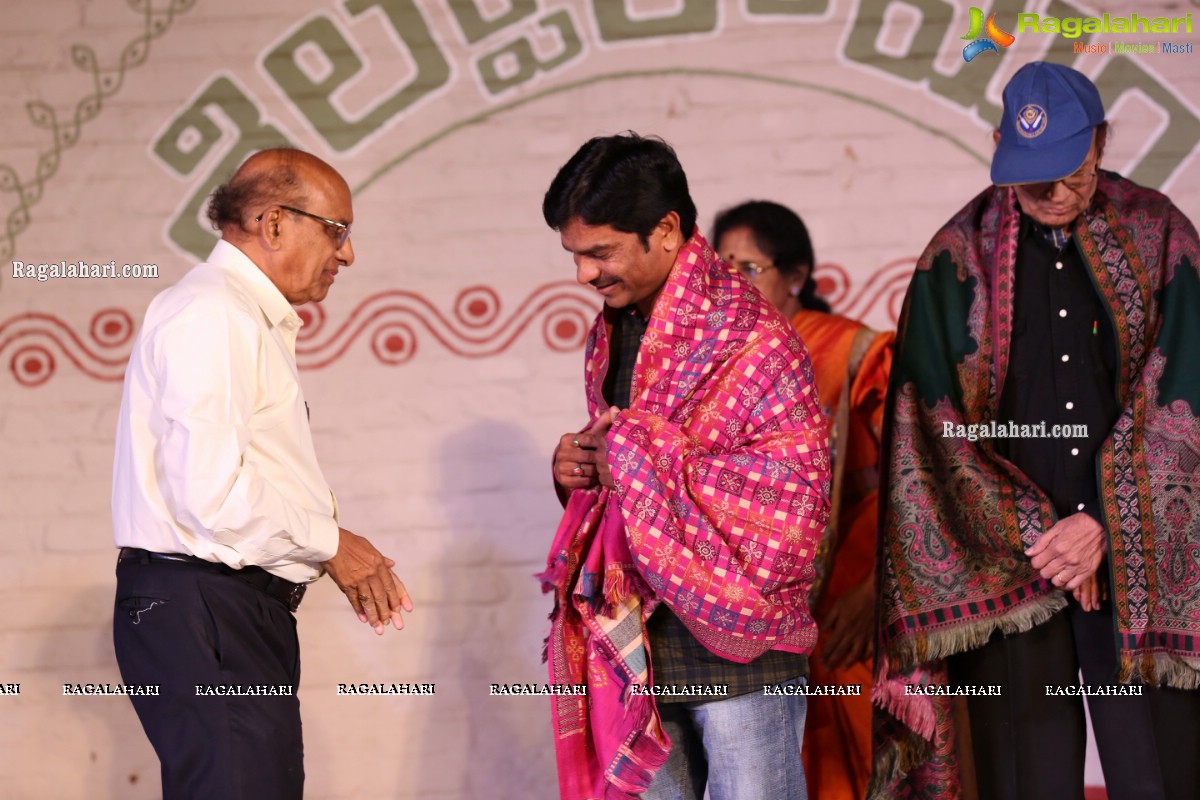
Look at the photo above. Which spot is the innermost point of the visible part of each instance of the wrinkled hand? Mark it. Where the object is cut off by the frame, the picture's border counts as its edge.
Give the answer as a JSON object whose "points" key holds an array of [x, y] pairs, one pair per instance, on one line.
{"points": [[581, 459], [365, 576], [1070, 552], [850, 627]]}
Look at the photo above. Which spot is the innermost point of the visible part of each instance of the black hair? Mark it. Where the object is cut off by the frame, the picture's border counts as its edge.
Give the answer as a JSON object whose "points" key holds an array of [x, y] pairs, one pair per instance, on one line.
{"points": [[251, 191], [781, 234], [628, 182]]}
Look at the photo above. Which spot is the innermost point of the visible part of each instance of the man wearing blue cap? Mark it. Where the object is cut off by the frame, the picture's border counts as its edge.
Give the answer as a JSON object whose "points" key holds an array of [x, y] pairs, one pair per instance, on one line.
{"points": [[1041, 492]]}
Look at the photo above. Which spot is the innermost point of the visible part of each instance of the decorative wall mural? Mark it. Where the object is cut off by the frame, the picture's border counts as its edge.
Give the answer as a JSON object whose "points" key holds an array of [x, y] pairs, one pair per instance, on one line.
{"points": [[881, 290], [65, 133], [392, 325], [30, 341], [316, 83]]}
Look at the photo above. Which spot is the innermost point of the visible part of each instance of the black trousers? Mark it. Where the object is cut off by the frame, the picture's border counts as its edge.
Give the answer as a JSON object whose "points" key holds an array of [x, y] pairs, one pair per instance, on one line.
{"points": [[1030, 746], [183, 627]]}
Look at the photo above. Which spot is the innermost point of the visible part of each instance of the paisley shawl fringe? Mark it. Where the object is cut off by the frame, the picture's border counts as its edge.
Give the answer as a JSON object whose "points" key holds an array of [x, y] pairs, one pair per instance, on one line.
{"points": [[1161, 669], [910, 710], [898, 756], [909, 651]]}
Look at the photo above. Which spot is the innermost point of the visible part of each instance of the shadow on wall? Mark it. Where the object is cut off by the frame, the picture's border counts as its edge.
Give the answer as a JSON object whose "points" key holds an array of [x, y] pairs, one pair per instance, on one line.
{"points": [[501, 512]]}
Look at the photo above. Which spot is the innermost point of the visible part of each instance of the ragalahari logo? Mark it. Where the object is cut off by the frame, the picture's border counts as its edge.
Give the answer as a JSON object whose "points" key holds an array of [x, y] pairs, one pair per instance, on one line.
{"points": [[984, 44]]}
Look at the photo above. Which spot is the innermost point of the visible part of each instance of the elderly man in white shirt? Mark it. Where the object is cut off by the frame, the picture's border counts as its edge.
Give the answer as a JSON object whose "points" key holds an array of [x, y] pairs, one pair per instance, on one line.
{"points": [[220, 510]]}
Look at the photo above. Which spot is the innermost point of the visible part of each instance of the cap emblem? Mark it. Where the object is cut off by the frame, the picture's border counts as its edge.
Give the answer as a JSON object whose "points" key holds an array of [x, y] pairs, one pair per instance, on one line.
{"points": [[1031, 121]]}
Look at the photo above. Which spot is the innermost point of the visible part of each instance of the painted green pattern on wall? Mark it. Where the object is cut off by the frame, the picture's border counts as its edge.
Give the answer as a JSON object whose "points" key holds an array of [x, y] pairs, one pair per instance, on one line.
{"points": [[64, 131]]}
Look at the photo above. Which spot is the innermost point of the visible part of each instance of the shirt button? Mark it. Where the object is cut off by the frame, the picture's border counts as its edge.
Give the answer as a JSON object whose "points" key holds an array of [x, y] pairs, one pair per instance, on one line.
{"points": [[1058, 265], [1070, 405], [1062, 312], [1066, 357], [1074, 451], [1079, 507]]}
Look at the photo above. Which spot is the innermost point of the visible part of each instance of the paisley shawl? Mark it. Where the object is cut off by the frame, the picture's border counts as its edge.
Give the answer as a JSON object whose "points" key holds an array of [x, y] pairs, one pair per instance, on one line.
{"points": [[956, 517], [721, 473]]}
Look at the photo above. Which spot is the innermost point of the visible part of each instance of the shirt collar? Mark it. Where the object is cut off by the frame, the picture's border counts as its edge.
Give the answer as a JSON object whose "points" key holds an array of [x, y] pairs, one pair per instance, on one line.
{"points": [[1056, 237], [274, 305]]}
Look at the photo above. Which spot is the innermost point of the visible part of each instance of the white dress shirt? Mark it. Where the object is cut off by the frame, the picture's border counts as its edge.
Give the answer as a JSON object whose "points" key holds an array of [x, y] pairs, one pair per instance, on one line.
{"points": [[214, 455]]}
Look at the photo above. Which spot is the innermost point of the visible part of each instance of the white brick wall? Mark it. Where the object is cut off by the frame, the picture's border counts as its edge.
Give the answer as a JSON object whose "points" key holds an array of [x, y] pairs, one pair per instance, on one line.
{"points": [[443, 460]]}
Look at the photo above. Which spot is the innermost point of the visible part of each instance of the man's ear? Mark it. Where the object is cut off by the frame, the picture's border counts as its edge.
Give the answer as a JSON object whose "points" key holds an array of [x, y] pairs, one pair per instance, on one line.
{"points": [[996, 137], [268, 231], [672, 236]]}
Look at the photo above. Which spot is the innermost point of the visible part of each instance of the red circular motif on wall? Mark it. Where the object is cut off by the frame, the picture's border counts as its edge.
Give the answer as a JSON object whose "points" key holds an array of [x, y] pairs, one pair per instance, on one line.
{"points": [[565, 329], [111, 327], [32, 365], [477, 306], [393, 343]]}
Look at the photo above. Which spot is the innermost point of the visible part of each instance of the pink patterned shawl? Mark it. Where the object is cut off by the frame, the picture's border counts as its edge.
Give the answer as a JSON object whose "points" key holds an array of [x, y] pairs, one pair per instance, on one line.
{"points": [[721, 467], [956, 517]]}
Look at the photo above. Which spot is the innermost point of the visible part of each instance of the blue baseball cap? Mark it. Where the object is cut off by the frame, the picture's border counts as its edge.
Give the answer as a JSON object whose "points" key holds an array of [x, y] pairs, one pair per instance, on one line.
{"points": [[1050, 112]]}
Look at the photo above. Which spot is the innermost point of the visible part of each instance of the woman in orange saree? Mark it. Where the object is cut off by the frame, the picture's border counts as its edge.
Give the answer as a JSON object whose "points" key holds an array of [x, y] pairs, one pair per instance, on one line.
{"points": [[770, 245]]}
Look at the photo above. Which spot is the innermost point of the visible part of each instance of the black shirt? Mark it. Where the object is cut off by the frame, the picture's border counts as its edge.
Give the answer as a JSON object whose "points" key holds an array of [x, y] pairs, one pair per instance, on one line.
{"points": [[1062, 370]]}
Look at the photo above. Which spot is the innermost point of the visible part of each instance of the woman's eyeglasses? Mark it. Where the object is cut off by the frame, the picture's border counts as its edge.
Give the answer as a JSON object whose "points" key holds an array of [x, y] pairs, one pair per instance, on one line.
{"points": [[752, 269]]}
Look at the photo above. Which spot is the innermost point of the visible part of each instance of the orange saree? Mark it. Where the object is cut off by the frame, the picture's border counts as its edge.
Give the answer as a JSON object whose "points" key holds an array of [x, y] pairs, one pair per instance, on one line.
{"points": [[837, 735]]}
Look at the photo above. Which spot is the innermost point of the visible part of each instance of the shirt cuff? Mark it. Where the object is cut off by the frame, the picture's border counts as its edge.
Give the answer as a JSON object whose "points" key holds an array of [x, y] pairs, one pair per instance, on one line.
{"points": [[323, 540], [333, 499]]}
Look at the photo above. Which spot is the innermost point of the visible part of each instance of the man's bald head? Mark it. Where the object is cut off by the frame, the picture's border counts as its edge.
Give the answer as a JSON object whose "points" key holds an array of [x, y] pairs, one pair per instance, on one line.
{"points": [[281, 175], [290, 213]]}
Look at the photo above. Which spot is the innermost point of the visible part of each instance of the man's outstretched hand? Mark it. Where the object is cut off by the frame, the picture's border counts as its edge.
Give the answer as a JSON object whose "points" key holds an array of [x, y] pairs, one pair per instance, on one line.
{"points": [[365, 576]]}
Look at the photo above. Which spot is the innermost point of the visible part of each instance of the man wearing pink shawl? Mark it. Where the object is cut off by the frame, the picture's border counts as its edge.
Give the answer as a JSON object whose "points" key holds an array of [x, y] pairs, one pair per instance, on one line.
{"points": [[695, 498]]}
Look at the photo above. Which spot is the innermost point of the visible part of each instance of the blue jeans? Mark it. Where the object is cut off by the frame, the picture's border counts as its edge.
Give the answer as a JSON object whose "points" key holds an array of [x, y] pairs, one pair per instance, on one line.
{"points": [[743, 748]]}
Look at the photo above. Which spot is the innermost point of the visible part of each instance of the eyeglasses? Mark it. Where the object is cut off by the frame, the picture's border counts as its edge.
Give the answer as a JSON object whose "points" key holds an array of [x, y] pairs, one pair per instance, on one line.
{"points": [[343, 230], [1079, 180], [1076, 182], [752, 269]]}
